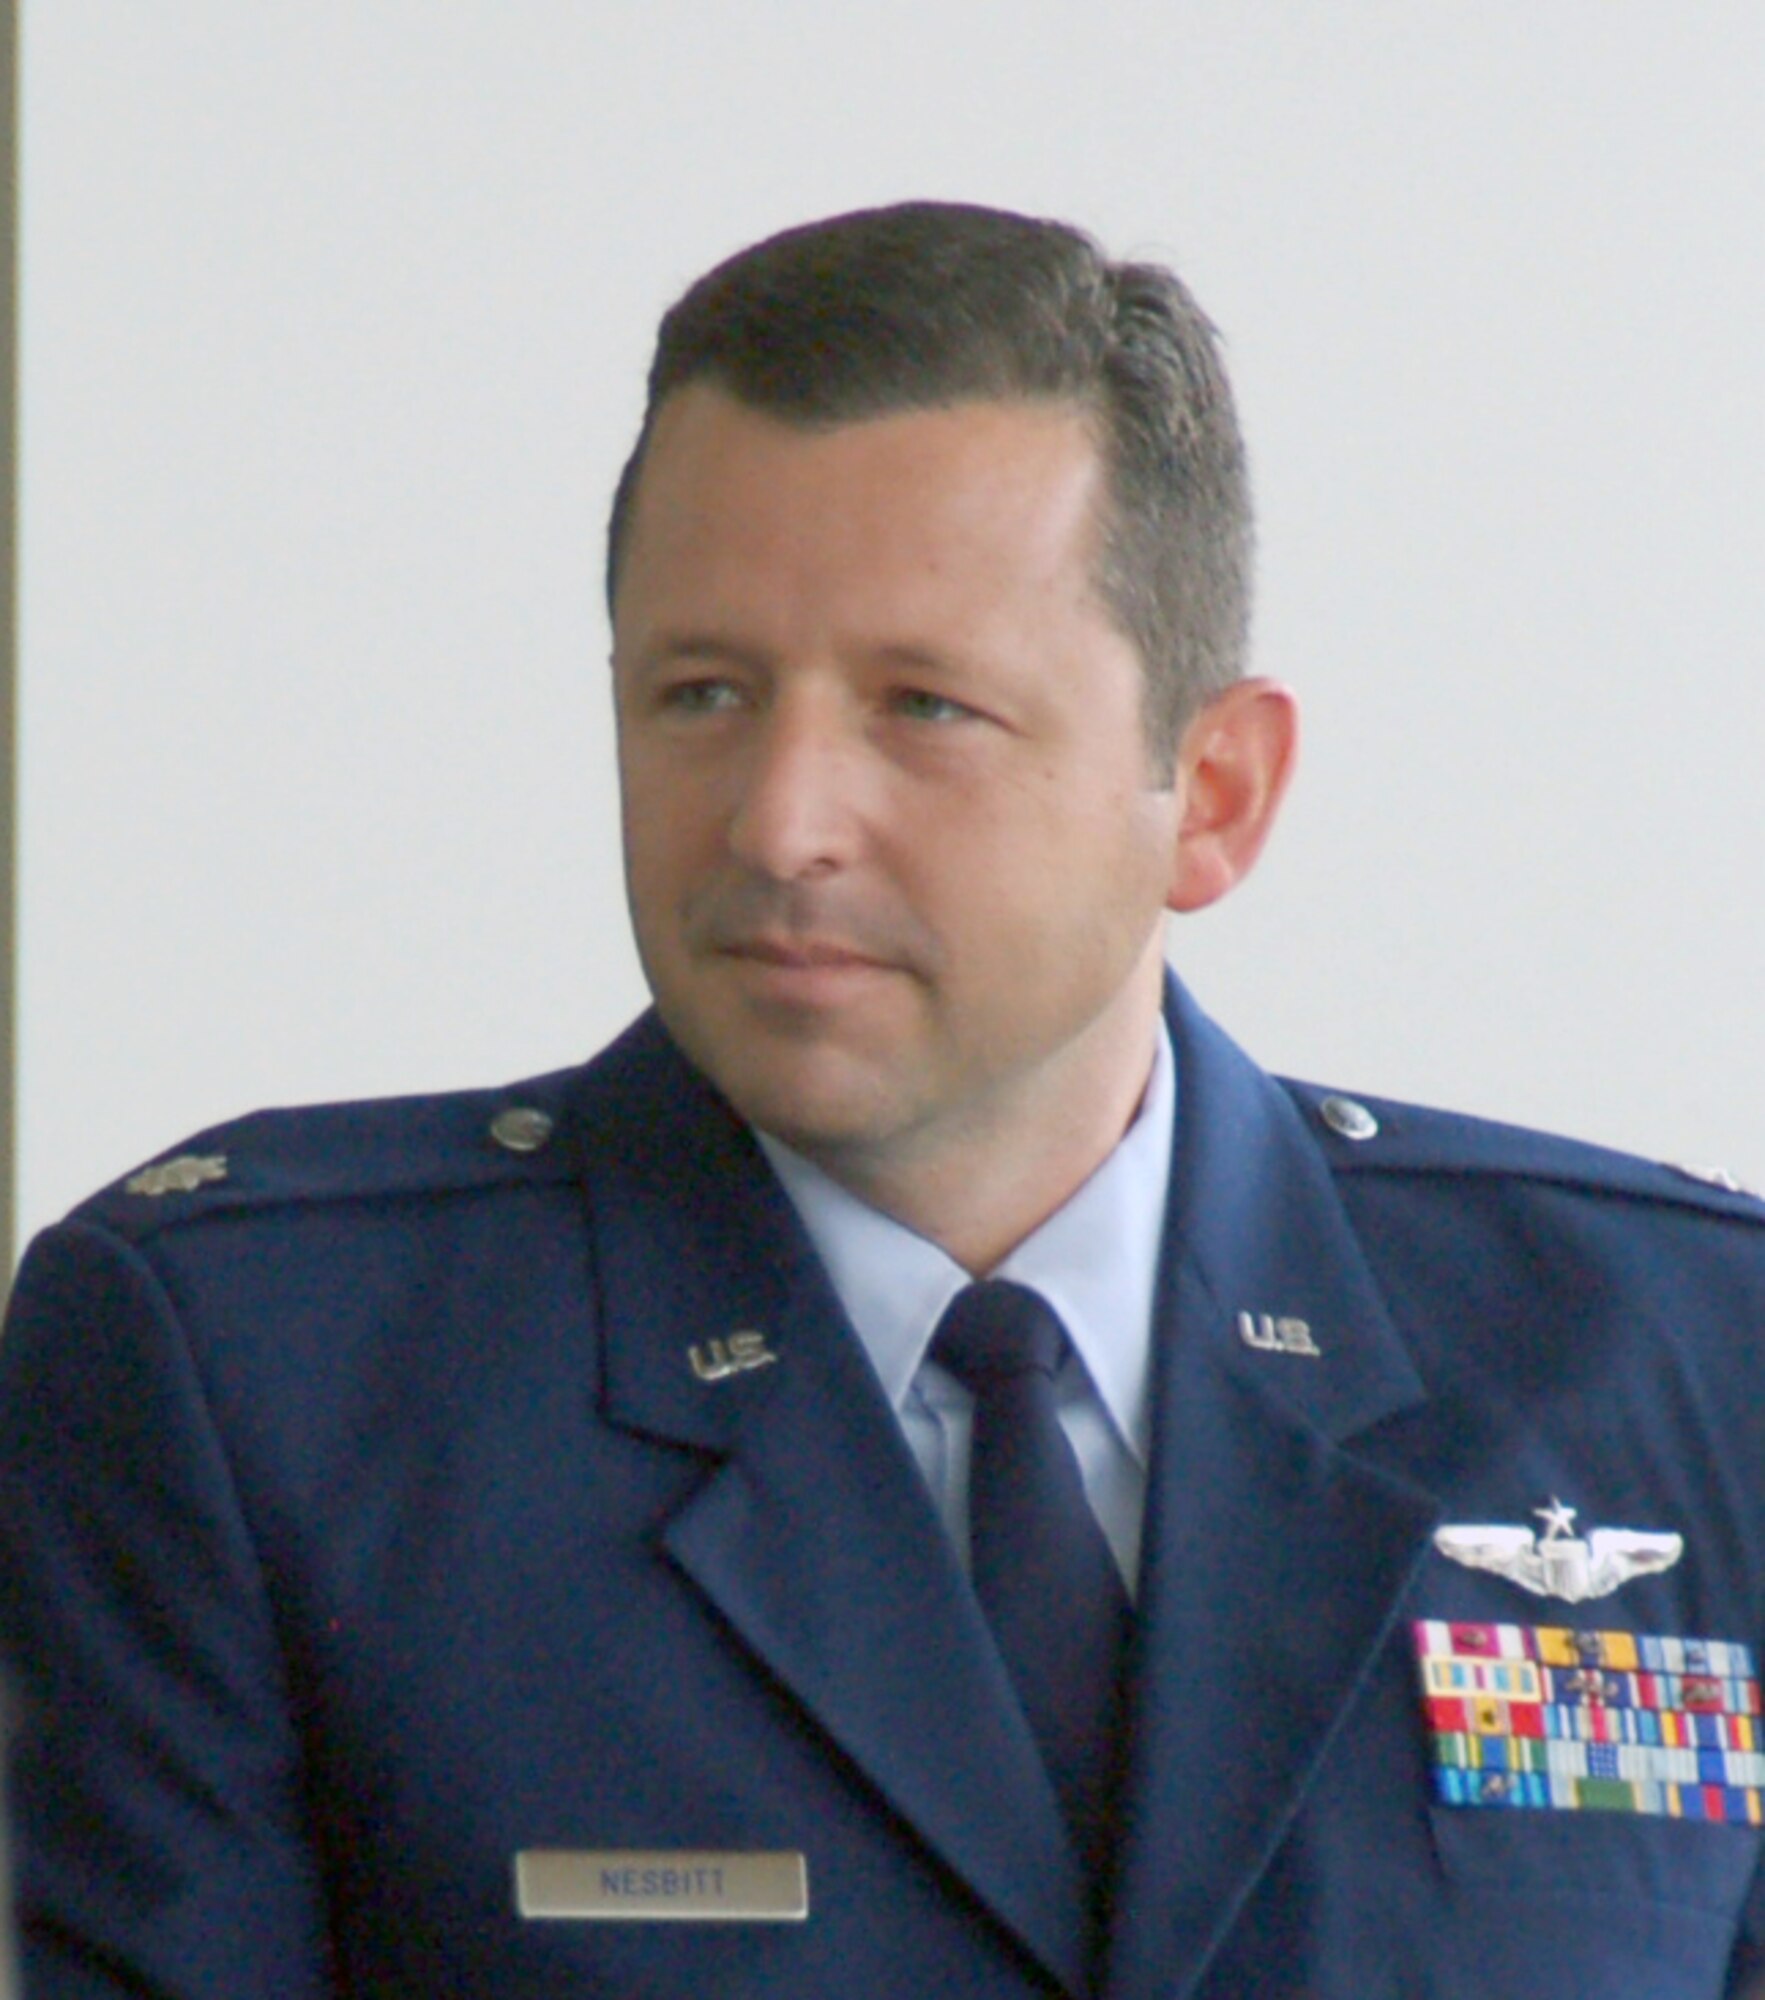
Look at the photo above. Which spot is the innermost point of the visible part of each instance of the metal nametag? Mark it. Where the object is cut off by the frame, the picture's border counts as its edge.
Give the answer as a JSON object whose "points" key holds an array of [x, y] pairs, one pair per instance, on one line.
{"points": [[645, 1886]]}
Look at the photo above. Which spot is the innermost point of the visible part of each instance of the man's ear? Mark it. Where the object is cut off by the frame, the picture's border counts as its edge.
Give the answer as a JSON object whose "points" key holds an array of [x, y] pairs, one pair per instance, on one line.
{"points": [[1232, 769]]}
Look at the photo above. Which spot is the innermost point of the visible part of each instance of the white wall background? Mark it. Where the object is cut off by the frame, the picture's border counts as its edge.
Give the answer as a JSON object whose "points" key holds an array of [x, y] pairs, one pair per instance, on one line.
{"points": [[335, 313]]}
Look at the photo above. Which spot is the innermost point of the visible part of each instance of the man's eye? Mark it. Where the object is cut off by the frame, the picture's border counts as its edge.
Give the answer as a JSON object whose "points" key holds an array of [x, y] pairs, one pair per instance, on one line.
{"points": [[921, 705], [701, 697]]}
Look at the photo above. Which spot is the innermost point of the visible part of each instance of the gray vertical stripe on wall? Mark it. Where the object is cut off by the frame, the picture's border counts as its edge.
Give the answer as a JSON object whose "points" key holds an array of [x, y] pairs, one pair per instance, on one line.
{"points": [[8, 634]]}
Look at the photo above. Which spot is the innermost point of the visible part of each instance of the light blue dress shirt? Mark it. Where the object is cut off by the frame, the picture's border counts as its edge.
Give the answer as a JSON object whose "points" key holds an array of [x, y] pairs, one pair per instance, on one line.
{"points": [[1095, 1260]]}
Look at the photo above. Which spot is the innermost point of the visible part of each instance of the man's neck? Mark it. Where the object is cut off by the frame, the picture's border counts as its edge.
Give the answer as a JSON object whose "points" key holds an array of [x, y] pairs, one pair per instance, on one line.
{"points": [[980, 1196]]}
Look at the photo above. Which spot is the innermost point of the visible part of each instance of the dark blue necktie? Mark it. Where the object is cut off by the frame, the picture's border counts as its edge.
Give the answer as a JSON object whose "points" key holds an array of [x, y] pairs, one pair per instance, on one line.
{"points": [[1042, 1569]]}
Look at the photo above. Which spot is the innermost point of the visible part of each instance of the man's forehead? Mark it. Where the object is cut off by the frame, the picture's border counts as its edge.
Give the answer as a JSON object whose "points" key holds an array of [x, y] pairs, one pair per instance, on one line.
{"points": [[707, 442], [977, 475]]}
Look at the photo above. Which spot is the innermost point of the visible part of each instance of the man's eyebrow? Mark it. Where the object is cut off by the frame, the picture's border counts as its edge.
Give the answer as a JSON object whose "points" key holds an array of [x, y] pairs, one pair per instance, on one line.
{"points": [[701, 647], [907, 657], [713, 649]]}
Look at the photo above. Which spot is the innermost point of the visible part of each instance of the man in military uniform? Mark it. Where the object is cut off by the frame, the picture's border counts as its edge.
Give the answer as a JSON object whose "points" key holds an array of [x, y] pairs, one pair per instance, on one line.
{"points": [[920, 1469]]}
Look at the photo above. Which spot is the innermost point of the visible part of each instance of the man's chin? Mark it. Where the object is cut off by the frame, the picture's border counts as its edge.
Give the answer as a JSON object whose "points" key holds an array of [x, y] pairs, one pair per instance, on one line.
{"points": [[821, 1126], [824, 1105]]}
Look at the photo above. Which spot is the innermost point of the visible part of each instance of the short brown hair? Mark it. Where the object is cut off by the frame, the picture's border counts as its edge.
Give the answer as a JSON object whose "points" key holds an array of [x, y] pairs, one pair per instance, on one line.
{"points": [[928, 304]]}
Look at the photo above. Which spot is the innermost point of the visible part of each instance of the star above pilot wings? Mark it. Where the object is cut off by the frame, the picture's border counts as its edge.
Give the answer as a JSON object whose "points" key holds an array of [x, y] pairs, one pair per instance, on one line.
{"points": [[1560, 1563]]}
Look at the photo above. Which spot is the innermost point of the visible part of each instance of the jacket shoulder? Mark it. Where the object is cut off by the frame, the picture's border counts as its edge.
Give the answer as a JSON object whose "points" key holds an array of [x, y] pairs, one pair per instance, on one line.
{"points": [[1364, 1134], [450, 1141]]}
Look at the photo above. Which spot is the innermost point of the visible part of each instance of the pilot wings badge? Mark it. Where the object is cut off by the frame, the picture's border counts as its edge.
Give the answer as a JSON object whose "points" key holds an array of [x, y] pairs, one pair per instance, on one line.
{"points": [[1560, 1563]]}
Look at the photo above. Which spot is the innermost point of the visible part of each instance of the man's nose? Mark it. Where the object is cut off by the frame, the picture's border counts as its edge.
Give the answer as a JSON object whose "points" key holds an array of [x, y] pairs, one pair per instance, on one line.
{"points": [[797, 810]]}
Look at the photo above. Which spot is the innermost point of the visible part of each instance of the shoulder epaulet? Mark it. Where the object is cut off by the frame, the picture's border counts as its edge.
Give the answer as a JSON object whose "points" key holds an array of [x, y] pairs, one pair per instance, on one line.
{"points": [[1378, 1135], [456, 1140]]}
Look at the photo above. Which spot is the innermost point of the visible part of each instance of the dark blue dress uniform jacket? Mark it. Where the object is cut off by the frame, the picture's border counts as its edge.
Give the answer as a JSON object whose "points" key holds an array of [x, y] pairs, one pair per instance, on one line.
{"points": [[365, 1521]]}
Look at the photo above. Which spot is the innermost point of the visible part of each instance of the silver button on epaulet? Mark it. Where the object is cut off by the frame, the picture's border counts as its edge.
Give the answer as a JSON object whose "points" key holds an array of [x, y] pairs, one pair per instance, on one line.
{"points": [[1347, 1118], [523, 1128]]}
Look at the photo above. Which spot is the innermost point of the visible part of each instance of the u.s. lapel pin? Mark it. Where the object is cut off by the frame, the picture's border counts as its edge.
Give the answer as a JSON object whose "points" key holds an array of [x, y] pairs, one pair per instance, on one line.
{"points": [[1277, 1333], [1559, 1563], [717, 1360]]}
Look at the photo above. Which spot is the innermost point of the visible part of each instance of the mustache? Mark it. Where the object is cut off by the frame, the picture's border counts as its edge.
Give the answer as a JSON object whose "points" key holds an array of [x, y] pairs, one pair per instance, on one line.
{"points": [[750, 914]]}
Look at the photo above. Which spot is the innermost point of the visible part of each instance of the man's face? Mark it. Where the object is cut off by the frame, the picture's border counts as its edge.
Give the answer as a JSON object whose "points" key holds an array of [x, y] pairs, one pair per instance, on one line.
{"points": [[896, 853]]}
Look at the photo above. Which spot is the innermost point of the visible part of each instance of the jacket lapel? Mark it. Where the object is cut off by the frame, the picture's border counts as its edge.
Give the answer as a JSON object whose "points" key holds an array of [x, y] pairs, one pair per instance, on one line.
{"points": [[1275, 1554], [812, 1533]]}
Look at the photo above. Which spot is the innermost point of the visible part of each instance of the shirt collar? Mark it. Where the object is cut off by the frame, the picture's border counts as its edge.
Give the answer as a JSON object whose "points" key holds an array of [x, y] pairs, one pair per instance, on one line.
{"points": [[1095, 1260]]}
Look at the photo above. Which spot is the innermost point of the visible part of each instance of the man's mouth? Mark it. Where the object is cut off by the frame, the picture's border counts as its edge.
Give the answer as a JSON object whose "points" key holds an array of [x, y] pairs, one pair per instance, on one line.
{"points": [[800, 954]]}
